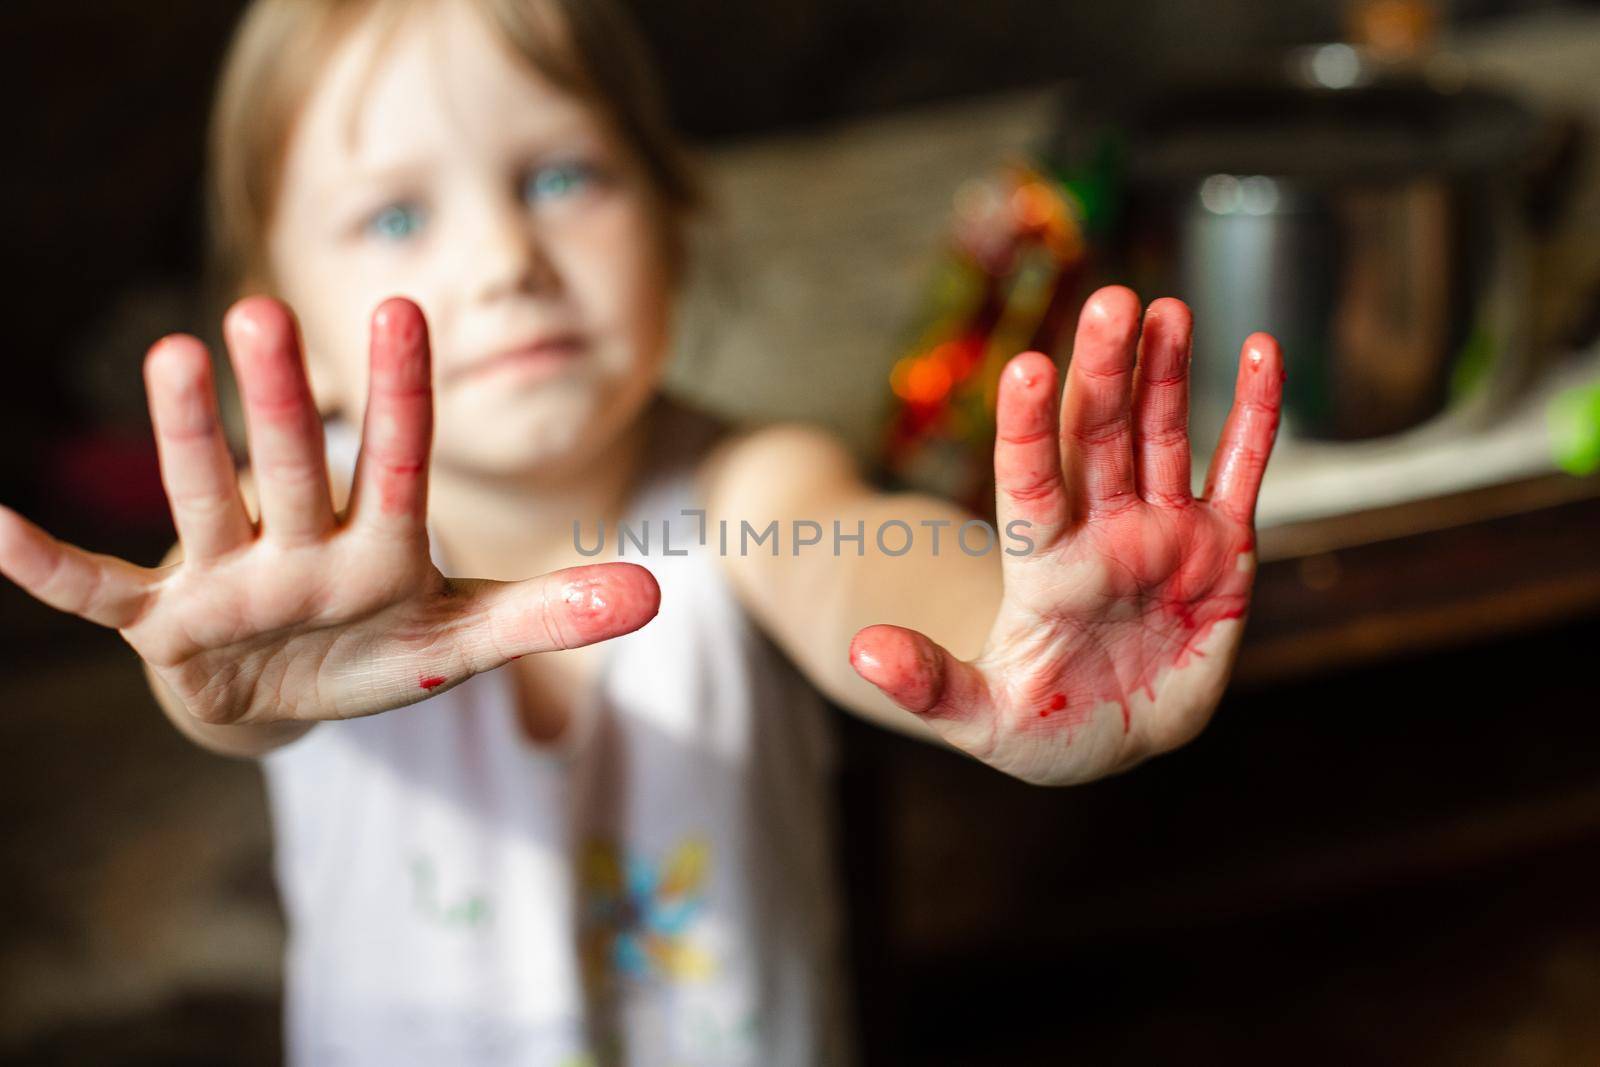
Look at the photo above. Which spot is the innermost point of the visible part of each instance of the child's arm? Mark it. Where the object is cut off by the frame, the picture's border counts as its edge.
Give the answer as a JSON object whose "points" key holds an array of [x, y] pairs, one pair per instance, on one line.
{"points": [[1111, 640]]}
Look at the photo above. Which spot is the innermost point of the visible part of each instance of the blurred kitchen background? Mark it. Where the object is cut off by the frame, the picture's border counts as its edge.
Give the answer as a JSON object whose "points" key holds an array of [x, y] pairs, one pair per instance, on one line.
{"points": [[1387, 847]]}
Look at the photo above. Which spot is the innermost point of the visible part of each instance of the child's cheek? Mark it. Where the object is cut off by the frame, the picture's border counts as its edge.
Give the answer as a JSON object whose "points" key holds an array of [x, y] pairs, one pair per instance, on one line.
{"points": [[624, 280]]}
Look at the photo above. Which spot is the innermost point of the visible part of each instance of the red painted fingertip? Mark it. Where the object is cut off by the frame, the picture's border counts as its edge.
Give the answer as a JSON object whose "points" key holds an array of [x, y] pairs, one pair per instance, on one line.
{"points": [[400, 352], [610, 599], [400, 320], [1170, 307], [1263, 362], [901, 663], [1031, 371], [1112, 303]]}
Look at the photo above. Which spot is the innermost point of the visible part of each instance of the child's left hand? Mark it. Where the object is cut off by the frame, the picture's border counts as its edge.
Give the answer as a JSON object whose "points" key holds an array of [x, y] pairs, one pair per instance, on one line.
{"points": [[1117, 633]]}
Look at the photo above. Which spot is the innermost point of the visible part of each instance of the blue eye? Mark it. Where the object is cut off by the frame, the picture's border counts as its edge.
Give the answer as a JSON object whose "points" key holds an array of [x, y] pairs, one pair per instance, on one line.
{"points": [[397, 222], [558, 180]]}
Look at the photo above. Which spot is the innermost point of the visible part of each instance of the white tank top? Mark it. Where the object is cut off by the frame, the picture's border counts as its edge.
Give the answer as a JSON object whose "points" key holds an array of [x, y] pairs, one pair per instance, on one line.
{"points": [[656, 889]]}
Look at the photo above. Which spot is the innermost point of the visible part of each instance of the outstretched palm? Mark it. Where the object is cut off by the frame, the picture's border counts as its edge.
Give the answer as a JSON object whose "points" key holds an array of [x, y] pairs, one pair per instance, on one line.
{"points": [[1117, 632], [306, 614]]}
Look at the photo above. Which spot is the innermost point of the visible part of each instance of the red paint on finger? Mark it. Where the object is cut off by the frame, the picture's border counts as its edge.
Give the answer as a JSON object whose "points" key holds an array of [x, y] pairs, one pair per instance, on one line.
{"points": [[608, 600], [1242, 451], [1161, 404], [399, 327], [400, 409], [1027, 453], [432, 682], [901, 664], [265, 345], [397, 488]]}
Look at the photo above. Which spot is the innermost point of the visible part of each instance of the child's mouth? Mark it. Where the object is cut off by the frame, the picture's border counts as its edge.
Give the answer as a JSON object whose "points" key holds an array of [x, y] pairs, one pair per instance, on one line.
{"points": [[529, 361]]}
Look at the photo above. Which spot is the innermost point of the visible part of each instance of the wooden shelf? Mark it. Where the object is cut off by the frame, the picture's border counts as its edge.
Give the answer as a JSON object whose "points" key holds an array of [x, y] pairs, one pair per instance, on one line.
{"points": [[1431, 574]]}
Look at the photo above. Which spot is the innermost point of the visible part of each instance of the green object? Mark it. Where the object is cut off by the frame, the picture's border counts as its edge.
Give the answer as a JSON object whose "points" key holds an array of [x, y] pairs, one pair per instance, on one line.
{"points": [[1473, 365], [1573, 418], [1097, 184]]}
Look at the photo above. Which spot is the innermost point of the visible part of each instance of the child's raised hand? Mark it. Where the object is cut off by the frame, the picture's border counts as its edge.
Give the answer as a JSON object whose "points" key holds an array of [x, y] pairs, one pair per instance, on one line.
{"points": [[1116, 634], [306, 614]]}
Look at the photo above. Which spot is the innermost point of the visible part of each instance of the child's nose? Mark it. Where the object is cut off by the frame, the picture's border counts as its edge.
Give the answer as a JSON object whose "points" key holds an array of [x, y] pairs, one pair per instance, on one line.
{"points": [[507, 255]]}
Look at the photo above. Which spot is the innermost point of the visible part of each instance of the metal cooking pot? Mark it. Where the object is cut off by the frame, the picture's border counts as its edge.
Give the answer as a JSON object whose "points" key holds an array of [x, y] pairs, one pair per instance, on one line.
{"points": [[1372, 222]]}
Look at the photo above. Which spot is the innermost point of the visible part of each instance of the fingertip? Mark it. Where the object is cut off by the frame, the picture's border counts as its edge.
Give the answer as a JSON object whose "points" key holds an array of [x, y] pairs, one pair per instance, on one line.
{"points": [[644, 585], [1169, 318], [1240, 459], [862, 657], [399, 317], [1168, 335], [899, 662], [177, 355], [1109, 317], [1031, 371], [18, 535], [1261, 369], [179, 341], [256, 317], [1261, 351], [400, 340], [607, 600], [1112, 302], [1169, 308]]}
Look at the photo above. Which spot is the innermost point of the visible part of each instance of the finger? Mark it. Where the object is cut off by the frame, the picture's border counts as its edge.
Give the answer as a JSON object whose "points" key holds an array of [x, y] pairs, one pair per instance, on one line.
{"points": [[1234, 479], [563, 609], [1161, 405], [390, 489], [285, 433], [100, 588], [1027, 449], [926, 680], [196, 466], [1097, 441]]}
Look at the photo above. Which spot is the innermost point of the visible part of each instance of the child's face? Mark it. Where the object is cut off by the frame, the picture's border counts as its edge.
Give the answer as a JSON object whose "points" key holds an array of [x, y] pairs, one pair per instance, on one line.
{"points": [[506, 209]]}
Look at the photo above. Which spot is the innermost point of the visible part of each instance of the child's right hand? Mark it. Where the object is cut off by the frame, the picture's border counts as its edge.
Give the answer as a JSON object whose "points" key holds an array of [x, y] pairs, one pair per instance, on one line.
{"points": [[305, 614]]}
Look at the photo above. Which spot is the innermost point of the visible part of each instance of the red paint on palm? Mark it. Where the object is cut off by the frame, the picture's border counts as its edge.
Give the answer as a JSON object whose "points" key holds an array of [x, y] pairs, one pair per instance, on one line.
{"points": [[1165, 584], [1131, 575]]}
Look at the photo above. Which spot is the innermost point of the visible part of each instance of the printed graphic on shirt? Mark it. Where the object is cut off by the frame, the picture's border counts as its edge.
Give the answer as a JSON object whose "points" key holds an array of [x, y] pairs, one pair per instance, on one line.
{"points": [[466, 911], [639, 914]]}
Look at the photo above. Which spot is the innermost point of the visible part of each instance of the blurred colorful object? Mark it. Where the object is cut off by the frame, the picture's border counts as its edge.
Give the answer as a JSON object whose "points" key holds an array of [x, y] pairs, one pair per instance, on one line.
{"points": [[1005, 285], [1573, 419]]}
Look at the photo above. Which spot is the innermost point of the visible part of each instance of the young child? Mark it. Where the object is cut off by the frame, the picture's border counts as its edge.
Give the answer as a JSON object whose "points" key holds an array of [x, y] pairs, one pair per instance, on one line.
{"points": [[621, 852]]}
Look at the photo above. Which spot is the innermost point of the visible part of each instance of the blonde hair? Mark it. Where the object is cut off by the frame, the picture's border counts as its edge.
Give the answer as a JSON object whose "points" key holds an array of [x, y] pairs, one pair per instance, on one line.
{"points": [[589, 48]]}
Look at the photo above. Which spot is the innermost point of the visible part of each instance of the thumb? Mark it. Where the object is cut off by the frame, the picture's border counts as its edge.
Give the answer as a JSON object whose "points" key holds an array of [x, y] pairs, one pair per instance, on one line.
{"points": [[563, 609], [918, 675]]}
